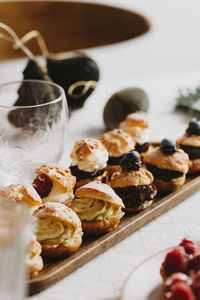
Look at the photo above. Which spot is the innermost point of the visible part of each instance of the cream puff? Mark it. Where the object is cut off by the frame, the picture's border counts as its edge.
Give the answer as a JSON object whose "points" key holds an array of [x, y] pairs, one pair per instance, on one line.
{"points": [[136, 125], [134, 184], [23, 193], [54, 184], [190, 143], [169, 166], [58, 229], [117, 142], [34, 262], [89, 160], [98, 207]]}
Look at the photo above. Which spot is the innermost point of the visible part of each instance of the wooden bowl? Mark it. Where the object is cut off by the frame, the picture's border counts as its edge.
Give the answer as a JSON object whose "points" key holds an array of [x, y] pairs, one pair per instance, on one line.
{"points": [[67, 26]]}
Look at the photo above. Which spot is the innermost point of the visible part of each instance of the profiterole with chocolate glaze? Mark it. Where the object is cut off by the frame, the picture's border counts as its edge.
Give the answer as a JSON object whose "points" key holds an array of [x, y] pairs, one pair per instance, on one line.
{"points": [[89, 160], [190, 143], [169, 166], [134, 184]]}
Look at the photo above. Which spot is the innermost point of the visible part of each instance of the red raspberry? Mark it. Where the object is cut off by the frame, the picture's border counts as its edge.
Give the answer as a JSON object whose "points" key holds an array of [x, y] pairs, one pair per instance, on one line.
{"points": [[43, 185], [189, 245], [173, 279], [194, 263], [196, 285], [175, 261], [182, 291]]}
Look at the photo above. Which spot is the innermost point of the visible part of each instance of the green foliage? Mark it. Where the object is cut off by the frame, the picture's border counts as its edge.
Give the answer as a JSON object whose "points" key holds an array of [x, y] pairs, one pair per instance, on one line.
{"points": [[189, 99]]}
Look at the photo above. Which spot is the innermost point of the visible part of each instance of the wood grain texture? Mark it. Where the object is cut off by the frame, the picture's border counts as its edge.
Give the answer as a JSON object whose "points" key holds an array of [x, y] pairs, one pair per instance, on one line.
{"points": [[67, 26], [56, 270]]}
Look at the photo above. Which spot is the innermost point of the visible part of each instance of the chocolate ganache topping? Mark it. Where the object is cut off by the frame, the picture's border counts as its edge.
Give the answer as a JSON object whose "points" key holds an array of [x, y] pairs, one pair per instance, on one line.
{"points": [[141, 148], [114, 160], [134, 196], [85, 175], [163, 174], [193, 152]]}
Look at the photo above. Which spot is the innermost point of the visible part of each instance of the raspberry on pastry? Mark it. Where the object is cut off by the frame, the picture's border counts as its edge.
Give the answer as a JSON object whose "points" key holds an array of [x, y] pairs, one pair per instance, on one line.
{"points": [[89, 160], [54, 184], [190, 143], [136, 125], [23, 193], [117, 142], [58, 229], [98, 207], [169, 166], [34, 262], [133, 184]]}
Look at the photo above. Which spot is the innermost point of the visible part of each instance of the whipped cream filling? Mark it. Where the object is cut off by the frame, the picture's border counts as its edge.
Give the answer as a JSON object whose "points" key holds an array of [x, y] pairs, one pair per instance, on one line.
{"points": [[90, 209], [32, 255], [93, 162], [58, 194], [54, 232]]}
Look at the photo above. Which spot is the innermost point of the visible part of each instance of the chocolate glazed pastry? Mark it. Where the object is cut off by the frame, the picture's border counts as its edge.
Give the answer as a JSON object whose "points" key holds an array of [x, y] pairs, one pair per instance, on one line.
{"points": [[134, 185], [117, 142], [89, 160], [114, 160], [168, 165], [135, 196], [190, 143], [193, 152], [163, 174]]}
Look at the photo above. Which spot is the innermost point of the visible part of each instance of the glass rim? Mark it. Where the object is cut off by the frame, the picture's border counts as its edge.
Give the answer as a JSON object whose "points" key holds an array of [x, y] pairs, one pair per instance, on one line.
{"points": [[58, 99]]}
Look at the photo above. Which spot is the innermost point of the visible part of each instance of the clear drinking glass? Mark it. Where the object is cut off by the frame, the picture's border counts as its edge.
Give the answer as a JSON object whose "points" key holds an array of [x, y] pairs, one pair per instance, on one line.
{"points": [[14, 229], [33, 126]]}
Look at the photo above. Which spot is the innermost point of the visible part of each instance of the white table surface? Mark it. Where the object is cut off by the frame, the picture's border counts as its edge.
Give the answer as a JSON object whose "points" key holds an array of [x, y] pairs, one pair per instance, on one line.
{"points": [[160, 62]]}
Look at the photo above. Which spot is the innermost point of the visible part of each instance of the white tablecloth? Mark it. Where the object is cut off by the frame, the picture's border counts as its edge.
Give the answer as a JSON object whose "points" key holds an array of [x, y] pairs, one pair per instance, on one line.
{"points": [[161, 62]]}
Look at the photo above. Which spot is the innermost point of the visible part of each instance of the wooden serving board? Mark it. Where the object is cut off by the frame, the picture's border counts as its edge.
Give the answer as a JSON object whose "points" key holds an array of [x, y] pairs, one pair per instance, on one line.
{"points": [[55, 270]]}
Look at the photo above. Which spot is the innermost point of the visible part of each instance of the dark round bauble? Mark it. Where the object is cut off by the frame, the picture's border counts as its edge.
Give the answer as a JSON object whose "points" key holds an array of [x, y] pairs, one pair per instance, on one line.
{"points": [[67, 71], [34, 70], [130, 161], [194, 127], [122, 103], [168, 146], [30, 95]]}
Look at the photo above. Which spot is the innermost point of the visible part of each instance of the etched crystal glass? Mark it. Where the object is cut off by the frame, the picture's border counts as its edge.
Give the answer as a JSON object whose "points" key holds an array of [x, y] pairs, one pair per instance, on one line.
{"points": [[14, 230], [33, 128]]}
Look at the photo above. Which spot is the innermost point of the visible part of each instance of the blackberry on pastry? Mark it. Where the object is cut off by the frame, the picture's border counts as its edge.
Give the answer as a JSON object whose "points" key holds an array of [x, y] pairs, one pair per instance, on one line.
{"points": [[136, 125], [23, 193], [58, 229], [89, 160], [117, 142], [98, 207], [168, 164], [190, 143], [54, 184], [134, 184]]}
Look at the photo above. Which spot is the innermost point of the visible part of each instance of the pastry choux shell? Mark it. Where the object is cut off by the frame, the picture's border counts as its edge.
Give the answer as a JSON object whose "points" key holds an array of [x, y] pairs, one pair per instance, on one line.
{"points": [[24, 193], [177, 161], [100, 191], [132, 178], [117, 142]]}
